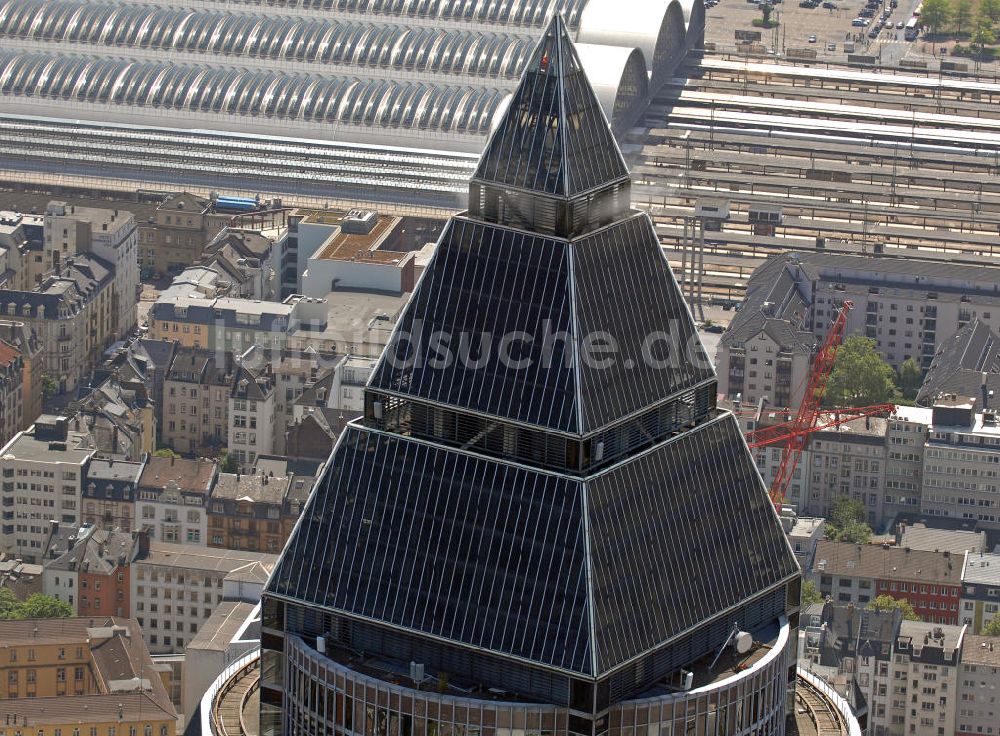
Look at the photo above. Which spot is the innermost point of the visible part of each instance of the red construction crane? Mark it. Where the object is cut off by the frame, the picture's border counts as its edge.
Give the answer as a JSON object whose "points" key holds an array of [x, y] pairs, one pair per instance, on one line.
{"points": [[794, 433]]}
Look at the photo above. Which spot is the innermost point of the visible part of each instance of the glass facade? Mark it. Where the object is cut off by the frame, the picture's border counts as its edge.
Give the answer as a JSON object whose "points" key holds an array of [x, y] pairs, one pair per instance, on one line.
{"points": [[326, 697], [544, 533], [554, 138]]}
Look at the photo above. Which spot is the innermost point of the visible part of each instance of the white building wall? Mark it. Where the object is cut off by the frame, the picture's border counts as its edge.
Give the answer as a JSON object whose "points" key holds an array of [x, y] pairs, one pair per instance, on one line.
{"points": [[321, 274], [170, 519]]}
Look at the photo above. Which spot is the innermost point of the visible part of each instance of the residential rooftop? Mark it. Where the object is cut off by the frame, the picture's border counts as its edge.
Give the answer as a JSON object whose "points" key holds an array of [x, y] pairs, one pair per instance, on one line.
{"points": [[982, 568], [186, 474], [209, 559], [981, 650], [75, 449], [342, 246], [939, 540], [890, 563], [254, 487]]}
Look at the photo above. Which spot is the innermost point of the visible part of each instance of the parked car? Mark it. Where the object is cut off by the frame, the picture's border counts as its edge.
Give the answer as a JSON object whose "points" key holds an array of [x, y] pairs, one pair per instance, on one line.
{"points": [[812, 39], [714, 328], [900, 26], [831, 47]]}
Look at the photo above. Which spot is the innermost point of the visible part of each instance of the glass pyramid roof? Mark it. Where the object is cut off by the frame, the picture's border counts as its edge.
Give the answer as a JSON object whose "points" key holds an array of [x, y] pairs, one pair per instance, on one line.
{"points": [[554, 137]]}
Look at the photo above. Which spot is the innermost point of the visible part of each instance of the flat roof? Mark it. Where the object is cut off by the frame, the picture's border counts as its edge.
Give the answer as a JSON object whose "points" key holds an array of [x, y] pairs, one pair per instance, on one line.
{"points": [[341, 246], [209, 559], [24, 446]]}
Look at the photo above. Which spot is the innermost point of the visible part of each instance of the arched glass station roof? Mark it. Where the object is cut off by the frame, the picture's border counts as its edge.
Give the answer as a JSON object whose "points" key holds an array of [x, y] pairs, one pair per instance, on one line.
{"points": [[195, 88], [528, 13], [147, 90], [292, 38]]}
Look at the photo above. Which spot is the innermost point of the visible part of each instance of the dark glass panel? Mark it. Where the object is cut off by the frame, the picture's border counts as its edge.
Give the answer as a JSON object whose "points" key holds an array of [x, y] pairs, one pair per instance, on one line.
{"points": [[444, 543], [679, 535], [625, 290], [486, 285]]}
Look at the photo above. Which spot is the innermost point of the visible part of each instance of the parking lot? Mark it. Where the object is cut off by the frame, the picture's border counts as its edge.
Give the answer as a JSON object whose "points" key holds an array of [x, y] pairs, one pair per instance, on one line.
{"points": [[831, 27]]}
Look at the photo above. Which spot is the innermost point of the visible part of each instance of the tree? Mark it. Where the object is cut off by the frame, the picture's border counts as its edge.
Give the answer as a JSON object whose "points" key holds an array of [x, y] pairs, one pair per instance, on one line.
{"points": [[886, 603], [982, 33], [37, 606], [860, 377], [990, 9], [846, 522], [227, 463], [50, 386], [8, 602], [936, 14], [44, 606], [992, 627], [962, 14], [909, 378], [810, 594], [165, 452], [765, 14]]}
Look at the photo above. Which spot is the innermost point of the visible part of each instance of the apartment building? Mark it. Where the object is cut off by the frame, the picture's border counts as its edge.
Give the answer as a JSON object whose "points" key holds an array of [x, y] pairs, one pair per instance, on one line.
{"points": [[852, 648], [87, 675], [847, 460], [183, 224], [92, 571], [232, 324], [119, 416], [250, 512], [196, 395], [42, 473], [109, 492], [978, 683], [22, 238], [910, 309], [73, 311], [176, 587], [24, 339], [858, 573], [925, 669], [11, 391], [111, 235], [144, 362], [966, 364], [961, 468], [906, 437], [173, 498], [980, 589], [247, 259], [251, 413]]}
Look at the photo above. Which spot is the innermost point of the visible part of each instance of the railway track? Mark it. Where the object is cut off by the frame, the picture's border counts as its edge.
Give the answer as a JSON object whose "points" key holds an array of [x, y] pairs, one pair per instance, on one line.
{"points": [[898, 165], [825, 719]]}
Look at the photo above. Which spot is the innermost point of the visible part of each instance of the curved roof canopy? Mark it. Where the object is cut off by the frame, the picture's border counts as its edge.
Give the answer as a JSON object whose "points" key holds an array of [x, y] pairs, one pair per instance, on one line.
{"points": [[336, 100], [317, 40], [655, 27]]}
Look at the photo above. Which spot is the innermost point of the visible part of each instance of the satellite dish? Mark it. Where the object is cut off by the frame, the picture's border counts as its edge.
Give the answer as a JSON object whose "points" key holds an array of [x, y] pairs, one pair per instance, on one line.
{"points": [[744, 642]]}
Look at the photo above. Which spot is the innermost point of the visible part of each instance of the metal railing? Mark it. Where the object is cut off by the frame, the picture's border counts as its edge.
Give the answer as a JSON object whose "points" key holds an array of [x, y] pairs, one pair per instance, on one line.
{"points": [[220, 686]]}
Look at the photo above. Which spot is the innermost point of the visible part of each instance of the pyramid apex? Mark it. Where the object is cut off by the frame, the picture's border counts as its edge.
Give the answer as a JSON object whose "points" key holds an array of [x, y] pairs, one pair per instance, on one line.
{"points": [[554, 138]]}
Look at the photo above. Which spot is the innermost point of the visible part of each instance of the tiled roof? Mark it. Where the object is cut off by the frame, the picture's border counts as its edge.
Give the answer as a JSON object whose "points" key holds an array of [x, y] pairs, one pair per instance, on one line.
{"points": [[889, 563]]}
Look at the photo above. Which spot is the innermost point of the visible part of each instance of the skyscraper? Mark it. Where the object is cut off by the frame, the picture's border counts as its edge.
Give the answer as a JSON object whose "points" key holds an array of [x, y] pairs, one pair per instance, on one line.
{"points": [[542, 525]]}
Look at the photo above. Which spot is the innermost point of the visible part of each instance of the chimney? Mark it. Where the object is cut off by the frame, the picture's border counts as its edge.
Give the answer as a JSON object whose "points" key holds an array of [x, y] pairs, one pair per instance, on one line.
{"points": [[985, 393]]}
